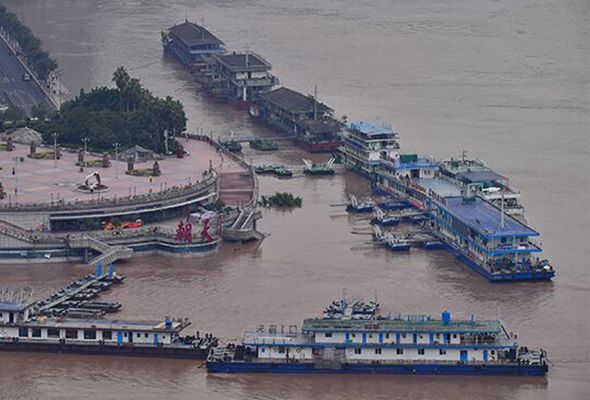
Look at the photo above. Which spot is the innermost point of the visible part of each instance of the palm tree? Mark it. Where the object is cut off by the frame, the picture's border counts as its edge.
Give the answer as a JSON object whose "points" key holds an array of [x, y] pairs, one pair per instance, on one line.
{"points": [[121, 79]]}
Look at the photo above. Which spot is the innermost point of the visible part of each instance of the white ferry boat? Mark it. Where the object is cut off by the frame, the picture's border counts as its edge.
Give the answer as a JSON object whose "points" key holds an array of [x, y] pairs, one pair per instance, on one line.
{"points": [[352, 338], [476, 176], [366, 144]]}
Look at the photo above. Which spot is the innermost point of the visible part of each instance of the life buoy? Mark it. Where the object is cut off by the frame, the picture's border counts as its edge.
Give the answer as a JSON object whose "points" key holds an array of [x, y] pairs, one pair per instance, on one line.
{"points": [[298, 350], [275, 349]]}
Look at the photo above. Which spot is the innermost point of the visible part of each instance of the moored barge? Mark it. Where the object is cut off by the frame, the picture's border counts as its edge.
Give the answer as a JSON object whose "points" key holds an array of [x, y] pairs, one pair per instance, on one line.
{"points": [[310, 123], [352, 339]]}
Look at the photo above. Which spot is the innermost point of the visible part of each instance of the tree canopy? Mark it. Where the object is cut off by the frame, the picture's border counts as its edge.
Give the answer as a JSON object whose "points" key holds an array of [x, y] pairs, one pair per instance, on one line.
{"points": [[37, 59], [128, 114]]}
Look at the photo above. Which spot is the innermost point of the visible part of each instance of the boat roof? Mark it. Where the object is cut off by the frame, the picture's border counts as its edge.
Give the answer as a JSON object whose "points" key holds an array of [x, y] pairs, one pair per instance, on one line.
{"points": [[257, 338], [293, 101], [243, 61], [192, 34], [12, 306], [322, 126], [74, 323], [370, 129], [442, 187], [400, 324], [483, 216], [480, 176]]}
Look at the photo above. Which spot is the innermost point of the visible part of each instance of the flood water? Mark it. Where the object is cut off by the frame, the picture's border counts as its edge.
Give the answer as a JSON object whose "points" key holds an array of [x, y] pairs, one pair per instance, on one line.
{"points": [[505, 80]]}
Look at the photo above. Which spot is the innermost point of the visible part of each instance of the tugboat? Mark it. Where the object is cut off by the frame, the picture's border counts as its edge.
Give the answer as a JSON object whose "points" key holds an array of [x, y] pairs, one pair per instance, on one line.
{"points": [[264, 145], [381, 220], [351, 338], [318, 169], [354, 206]]}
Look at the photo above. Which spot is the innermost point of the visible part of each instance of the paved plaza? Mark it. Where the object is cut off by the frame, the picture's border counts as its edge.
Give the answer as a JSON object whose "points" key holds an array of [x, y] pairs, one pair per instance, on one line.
{"points": [[39, 181]]}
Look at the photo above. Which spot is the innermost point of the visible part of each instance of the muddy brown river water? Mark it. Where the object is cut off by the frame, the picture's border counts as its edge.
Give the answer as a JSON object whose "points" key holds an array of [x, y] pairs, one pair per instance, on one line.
{"points": [[507, 81]]}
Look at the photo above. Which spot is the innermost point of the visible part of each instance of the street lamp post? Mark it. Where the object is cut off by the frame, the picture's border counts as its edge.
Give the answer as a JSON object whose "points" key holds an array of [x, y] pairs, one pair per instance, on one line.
{"points": [[54, 134], [85, 140], [15, 180], [116, 145]]}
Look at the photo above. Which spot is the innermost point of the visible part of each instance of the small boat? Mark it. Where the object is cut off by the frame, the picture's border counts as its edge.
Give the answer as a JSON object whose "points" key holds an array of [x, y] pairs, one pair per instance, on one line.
{"points": [[396, 244], [264, 145], [354, 206], [414, 218], [318, 169], [393, 205], [282, 172], [264, 169], [232, 145], [434, 245], [381, 219]]}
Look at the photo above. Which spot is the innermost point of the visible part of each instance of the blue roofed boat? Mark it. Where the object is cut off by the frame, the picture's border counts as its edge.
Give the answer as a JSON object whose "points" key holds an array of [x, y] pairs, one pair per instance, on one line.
{"points": [[352, 338], [469, 217]]}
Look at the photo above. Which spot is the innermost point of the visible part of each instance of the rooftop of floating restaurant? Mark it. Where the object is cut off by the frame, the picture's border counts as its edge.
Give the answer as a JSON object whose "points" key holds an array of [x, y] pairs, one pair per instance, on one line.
{"points": [[401, 325], [243, 61], [192, 34], [440, 186], [76, 323], [483, 216], [294, 102], [480, 176], [370, 129]]}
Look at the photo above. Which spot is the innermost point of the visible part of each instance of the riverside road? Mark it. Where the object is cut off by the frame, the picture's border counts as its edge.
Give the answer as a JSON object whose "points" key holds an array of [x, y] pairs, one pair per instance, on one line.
{"points": [[13, 90]]}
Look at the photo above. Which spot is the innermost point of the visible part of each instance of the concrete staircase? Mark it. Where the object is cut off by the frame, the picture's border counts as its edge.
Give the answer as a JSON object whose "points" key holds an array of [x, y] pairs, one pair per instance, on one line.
{"points": [[108, 254], [16, 232]]}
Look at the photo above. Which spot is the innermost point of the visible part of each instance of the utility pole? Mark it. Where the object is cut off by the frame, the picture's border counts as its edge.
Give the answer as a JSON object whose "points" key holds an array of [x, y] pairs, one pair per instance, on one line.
{"points": [[54, 135], [116, 145]]}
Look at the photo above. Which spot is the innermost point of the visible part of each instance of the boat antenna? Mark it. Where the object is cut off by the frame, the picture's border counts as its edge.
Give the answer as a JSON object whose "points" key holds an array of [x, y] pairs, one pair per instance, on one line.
{"points": [[315, 103], [463, 155], [246, 55], [343, 293], [502, 218]]}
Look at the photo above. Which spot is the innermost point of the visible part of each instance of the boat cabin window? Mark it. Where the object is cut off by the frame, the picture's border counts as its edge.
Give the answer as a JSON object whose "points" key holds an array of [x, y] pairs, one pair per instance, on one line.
{"points": [[138, 335], [403, 335], [421, 352], [107, 335], [124, 334], [399, 351], [36, 332], [442, 352], [328, 334], [387, 336], [53, 333], [454, 336], [353, 334], [90, 335], [23, 332], [281, 350], [378, 351], [146, 335], [358, 350], [71, 334]]}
